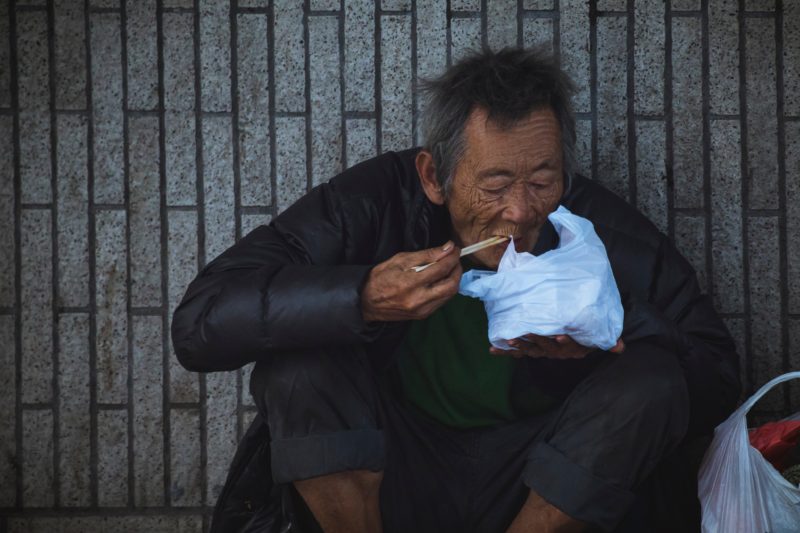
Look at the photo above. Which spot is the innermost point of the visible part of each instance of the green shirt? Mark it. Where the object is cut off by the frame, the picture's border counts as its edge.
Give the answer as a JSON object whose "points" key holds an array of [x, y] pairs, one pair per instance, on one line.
{"points": [[446, 370]]}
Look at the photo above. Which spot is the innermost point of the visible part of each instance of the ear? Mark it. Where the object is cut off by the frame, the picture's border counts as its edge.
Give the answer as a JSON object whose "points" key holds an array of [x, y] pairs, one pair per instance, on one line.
{"points": [[427, 177]]}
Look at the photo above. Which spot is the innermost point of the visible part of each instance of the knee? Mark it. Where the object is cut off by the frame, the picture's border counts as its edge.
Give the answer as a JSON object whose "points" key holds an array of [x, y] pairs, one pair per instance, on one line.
{"points": [[298, 375], [651, 385]]}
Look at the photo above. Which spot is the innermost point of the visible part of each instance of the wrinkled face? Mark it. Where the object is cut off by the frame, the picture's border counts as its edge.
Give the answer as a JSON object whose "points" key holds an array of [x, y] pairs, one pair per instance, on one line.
{"points": [[507, 183]]}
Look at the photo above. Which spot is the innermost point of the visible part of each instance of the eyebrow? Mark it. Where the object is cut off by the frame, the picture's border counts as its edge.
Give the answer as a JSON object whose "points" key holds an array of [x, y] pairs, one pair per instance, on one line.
{"points": [[502, 171]]}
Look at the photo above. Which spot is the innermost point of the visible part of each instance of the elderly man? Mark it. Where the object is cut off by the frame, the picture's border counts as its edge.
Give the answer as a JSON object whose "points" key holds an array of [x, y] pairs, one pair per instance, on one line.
{"points": [[385, 407]]}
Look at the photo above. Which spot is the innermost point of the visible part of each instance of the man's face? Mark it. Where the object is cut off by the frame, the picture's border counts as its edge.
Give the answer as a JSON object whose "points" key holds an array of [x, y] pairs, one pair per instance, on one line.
{"points": [[507, 183]]}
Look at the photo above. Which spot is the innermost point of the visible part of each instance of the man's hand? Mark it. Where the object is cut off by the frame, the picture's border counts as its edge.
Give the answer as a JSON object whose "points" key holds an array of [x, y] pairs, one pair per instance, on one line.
{"points": [[557, 347], [394, 292]]}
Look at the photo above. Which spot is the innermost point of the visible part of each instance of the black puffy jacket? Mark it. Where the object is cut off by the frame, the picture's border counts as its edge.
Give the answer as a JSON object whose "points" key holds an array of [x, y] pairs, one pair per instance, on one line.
{"points": [[295, 283]]}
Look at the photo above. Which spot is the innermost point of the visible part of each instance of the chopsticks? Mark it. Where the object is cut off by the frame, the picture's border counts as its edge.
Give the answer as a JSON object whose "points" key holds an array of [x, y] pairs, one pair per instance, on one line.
{"points": [[471, 249]]}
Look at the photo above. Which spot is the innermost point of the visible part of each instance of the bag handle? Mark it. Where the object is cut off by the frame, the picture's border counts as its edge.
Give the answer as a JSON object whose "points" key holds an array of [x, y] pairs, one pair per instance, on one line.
{"points": [[746, 406]]}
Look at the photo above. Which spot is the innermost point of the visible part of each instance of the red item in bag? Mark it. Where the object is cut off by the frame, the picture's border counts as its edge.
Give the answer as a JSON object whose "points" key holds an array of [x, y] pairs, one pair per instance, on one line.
{"points": [[775, 440]]}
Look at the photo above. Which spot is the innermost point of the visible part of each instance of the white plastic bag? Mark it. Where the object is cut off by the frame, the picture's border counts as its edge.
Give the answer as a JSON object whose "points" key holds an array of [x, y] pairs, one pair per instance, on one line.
{"points": [[566, 291], [740, 492]]}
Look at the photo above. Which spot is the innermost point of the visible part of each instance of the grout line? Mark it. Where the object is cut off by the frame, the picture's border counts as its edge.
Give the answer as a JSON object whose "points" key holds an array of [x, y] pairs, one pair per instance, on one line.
{"points": [[484, 24], [705, 91], [690, 211], [745, 195], [184, 208], [686, 13], [557, 31], [342, 106], [630, 26], [237, 180], [104, 10], [73, 112], [251, 10], [126, 192], [78, 309], [769, 212], [31, 205], [37, 406], [256, 209], [449, 15], [141, 113], [323, 12], [612, 14], [234, 68], [307, 78], [782, 207], [464, 14], [56, 345], [520, 15], [162, 207], [719, 116], [593, 81], [273, 173], [93, 430], [668, 121], [378, 81], [201, 244], [112, 406], [414, 102]]}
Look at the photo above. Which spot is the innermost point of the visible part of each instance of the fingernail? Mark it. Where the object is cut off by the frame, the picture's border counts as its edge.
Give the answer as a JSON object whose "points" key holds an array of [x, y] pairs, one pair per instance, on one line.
{"points": [[447, 247]]}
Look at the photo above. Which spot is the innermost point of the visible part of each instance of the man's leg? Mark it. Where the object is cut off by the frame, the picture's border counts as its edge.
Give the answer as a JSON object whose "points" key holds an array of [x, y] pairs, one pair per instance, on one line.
{"points": [[609, 435], [540, 516], [321, 408], [345, 501]]}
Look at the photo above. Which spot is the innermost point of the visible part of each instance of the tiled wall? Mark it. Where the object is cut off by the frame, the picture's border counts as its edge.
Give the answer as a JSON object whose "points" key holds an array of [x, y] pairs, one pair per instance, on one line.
{"points": [[139, 139]]}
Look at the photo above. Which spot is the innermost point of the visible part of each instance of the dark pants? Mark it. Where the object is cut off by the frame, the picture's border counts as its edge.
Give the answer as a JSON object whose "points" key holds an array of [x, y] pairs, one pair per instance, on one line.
{"points": [[593, 456]]}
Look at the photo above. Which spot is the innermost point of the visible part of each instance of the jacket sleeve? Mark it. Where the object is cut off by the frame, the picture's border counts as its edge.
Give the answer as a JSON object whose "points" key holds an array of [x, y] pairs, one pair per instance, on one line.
{"points": [[282, 287], [678, 316]]}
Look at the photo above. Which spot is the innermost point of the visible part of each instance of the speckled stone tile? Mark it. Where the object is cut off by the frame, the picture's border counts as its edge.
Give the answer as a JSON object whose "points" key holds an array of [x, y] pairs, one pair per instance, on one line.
{"points": [[326, 112]]}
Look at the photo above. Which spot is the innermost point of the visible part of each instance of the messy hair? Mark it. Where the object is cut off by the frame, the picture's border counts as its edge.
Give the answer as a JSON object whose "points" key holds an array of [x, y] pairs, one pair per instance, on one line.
{"points": [[509, 85]]}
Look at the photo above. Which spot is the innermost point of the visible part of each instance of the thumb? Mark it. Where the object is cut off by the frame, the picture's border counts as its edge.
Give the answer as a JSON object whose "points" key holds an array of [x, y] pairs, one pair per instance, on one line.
{"points": [[434, 254]]}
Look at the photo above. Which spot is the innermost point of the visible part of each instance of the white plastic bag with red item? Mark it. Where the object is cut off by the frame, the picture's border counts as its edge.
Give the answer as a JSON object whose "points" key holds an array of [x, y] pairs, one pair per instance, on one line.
{"points": [[740, 492]]}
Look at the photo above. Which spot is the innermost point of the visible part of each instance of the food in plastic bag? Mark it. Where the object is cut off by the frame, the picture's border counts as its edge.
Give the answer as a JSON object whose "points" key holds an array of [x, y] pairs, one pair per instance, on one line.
{"points": [[739, 490], [567, 291], [776, 441]]}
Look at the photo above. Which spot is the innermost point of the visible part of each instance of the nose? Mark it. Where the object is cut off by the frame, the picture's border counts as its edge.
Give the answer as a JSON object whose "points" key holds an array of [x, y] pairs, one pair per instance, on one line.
{"points": [[518, 209]]}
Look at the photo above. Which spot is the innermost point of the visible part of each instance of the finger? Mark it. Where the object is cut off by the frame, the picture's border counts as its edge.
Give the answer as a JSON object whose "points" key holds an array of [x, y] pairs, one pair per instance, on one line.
{"points": [[444, 288], [544, 343], [619, 347], [428, 255], [516, 354], [436, 271]]}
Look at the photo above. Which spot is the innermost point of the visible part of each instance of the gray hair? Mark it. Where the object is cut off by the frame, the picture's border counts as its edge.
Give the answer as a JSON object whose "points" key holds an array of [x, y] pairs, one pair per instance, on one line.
{"points": [[509, 85]]}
